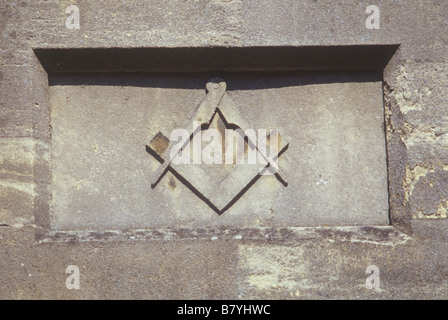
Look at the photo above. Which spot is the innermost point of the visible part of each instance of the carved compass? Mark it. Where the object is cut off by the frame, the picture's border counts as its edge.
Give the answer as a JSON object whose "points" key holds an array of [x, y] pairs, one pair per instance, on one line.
{"points": [[218, 185]]}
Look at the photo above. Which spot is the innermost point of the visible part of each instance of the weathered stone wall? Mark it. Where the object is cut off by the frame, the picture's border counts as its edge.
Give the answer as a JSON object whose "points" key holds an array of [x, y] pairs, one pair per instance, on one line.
{"points": [[317, 263]]}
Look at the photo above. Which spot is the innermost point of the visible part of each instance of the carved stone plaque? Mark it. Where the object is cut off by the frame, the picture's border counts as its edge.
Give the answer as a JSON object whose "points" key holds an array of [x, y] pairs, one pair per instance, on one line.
{"points": [[112, 136]]}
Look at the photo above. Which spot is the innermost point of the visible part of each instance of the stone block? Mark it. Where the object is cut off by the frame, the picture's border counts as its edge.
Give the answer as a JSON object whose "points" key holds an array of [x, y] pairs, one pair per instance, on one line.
{"points": [[335, 163], [16, 181]]}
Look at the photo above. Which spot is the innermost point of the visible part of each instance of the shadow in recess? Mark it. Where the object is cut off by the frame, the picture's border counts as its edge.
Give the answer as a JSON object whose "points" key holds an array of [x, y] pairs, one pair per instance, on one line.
{"points": [[235, 81]]}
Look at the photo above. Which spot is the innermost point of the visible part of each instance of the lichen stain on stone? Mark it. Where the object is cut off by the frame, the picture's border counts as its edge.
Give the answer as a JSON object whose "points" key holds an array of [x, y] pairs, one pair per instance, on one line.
{"points": [[413, 176], [442, 209], [441, 212], [412, 135], [274, 268]]}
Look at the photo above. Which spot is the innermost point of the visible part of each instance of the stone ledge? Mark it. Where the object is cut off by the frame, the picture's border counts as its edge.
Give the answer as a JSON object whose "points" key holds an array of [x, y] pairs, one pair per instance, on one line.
{"points": [[380, 235]]}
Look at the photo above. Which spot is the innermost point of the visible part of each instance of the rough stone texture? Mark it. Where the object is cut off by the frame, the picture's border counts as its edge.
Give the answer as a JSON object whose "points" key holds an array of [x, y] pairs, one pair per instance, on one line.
{"points": [[16, 181], [415, 99], [331, 267]]}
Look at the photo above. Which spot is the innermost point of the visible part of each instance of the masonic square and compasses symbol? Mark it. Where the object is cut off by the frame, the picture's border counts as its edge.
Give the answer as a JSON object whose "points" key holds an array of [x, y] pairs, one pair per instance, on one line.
{"points": [[218, 188]]}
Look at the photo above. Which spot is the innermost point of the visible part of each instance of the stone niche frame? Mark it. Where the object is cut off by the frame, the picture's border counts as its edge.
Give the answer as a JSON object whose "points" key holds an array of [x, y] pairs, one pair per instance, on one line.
{"points": [[352, 58]]}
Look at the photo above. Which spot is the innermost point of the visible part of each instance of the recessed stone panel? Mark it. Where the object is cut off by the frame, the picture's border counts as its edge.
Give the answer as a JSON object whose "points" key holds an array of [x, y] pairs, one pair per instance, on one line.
{"points": [[106, 131]]}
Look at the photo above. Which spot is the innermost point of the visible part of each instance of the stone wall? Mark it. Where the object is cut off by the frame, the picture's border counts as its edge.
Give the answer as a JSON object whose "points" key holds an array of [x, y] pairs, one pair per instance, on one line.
{"points": [[316, 262]]}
